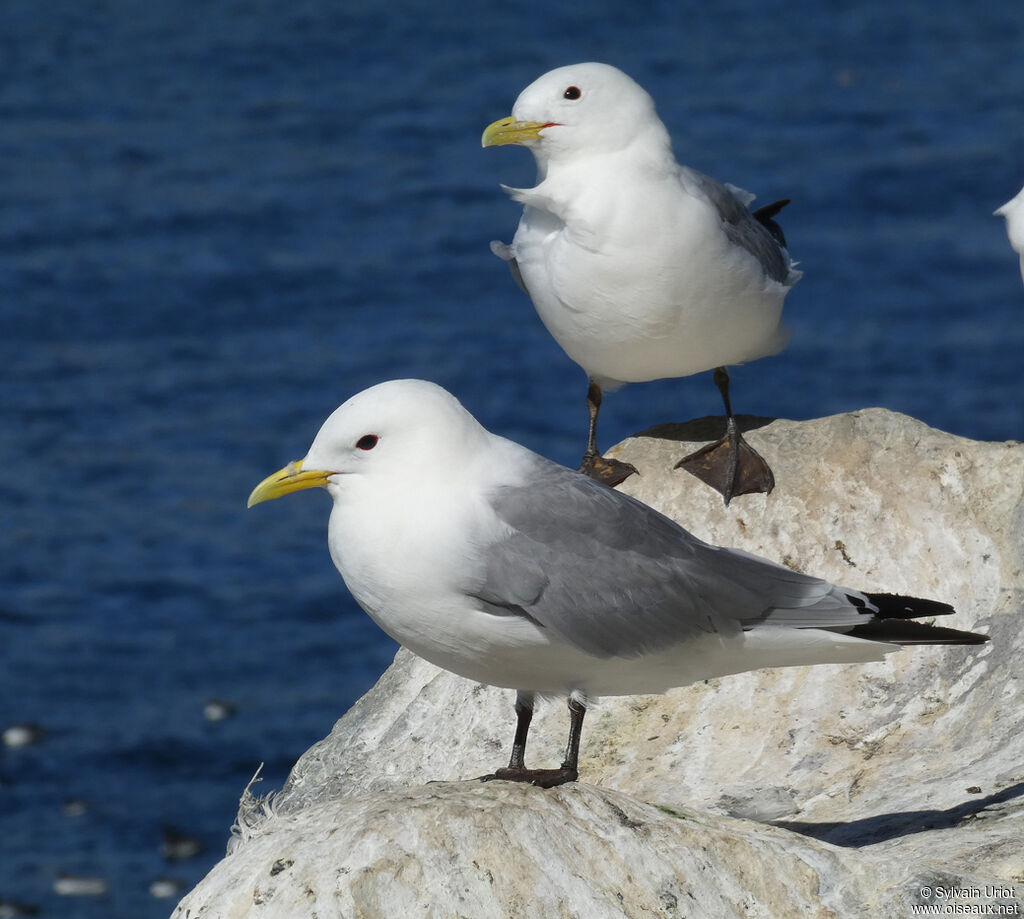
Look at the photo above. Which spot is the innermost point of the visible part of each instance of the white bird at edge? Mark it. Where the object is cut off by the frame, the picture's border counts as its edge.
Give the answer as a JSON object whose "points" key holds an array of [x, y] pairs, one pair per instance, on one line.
{"points": [[639, 267], [506, 568], [1013, 211]]}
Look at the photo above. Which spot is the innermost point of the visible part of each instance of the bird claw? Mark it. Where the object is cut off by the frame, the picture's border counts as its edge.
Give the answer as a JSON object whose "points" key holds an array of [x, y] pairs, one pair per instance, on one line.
{"points": [[542, 778], [610, 472], [730, 466]]}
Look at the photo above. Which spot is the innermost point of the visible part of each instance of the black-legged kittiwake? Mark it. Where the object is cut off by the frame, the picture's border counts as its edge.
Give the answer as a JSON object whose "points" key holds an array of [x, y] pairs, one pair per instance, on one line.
{"points": [[639, 267], [506, 568]]}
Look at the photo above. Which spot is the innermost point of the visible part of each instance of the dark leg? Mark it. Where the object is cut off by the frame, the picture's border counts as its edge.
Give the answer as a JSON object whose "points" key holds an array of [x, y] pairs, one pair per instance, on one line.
{"points": [[594, 399], [524, 715], [570, 765], [722, 382], [730, 465], [609, 471], [544, 778]]}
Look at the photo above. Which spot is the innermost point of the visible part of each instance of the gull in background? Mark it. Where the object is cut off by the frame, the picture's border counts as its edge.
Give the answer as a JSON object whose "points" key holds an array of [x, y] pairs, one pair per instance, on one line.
{"points": [[506, 568], [1013, 211], [639, 267]]}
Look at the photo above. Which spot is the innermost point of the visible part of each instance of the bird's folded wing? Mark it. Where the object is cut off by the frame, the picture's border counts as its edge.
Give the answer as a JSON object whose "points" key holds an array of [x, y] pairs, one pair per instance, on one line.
{"points": [[504, 251], [742, 228], [615, 578]]}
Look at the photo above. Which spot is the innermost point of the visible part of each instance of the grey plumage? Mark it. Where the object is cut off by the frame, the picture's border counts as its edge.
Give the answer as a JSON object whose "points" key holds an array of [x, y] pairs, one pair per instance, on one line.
{"points": [[615, 578]]}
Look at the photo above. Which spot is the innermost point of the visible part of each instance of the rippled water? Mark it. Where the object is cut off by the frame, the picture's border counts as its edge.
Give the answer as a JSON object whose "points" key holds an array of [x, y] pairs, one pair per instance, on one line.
{"points": [[220, 220]]}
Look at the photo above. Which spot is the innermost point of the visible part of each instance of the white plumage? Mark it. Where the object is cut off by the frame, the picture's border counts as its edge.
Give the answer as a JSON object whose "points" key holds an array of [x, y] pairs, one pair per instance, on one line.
{"points": [[1013, 211]]}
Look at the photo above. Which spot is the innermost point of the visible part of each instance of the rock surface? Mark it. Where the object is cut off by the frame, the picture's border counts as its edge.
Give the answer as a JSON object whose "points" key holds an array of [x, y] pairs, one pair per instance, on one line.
{"points": [[832, 790]]}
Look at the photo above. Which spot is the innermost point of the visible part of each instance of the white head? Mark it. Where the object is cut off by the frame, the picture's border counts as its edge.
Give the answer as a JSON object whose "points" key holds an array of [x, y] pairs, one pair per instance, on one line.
{"points": [[398, 428], [577, 110]]}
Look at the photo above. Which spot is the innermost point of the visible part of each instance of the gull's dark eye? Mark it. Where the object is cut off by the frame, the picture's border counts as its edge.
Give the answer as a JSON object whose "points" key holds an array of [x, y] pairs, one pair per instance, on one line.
{"points": [[367, 442], [573, 92]]}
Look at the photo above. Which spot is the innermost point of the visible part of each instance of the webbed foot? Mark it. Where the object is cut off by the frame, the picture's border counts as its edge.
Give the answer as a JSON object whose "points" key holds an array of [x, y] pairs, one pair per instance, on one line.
{"points": [[730, 466], [610, 472], [542, 778]]}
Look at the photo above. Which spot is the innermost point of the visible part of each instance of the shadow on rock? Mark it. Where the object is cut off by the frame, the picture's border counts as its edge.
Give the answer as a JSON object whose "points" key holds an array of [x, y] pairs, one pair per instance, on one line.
{"points": [[884, 827], [710, 427]]}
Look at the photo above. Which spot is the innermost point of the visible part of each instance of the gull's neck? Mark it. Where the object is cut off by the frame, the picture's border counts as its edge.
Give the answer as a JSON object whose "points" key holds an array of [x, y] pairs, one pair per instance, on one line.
{"points": [[564, 179]]}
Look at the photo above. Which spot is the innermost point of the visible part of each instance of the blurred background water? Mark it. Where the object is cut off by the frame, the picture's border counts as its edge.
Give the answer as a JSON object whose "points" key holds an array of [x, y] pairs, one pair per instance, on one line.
{"points": [[219, 220]]}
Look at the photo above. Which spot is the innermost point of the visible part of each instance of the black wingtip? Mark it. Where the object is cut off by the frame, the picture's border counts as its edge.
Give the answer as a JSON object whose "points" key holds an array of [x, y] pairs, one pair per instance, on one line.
{"points": [[893, 606], [907, 632], [894, 622], [766, 217], [768, 211]]}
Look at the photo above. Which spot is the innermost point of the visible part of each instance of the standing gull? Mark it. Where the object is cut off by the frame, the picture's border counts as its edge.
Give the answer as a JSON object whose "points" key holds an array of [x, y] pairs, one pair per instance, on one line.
{"points": [[639, 267], [503, 567]]}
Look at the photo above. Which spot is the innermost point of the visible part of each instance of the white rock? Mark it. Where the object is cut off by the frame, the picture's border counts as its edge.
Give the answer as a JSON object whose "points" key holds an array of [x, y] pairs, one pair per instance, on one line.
{"points": [[870, 774]]}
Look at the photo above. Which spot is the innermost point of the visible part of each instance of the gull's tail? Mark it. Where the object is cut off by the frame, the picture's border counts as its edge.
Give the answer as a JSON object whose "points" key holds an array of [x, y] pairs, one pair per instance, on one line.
{"points": [[893, 623]]}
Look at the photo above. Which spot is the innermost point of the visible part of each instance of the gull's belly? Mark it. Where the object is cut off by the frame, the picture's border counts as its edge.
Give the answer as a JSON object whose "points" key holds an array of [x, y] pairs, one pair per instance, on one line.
{"points": [[632, 316], [514, 653]]}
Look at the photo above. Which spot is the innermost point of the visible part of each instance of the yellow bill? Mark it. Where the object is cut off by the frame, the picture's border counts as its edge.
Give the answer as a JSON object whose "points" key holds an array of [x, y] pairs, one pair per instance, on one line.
{"points": [[283, 482], [510, 131]]}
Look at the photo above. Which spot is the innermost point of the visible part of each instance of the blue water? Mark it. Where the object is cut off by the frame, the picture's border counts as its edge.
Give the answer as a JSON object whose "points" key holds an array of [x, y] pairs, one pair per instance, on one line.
{"points": [[217, 221]]}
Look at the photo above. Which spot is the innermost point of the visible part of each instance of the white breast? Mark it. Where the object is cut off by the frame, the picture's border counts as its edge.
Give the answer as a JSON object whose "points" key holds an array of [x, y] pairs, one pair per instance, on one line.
{"points": [[640, 282]]}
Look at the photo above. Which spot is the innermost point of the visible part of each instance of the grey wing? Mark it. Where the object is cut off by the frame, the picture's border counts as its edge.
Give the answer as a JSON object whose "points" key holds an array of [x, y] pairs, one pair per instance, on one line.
{"points": [[742, 227], [504, 251], [613, 577]]}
